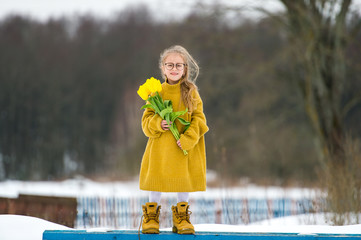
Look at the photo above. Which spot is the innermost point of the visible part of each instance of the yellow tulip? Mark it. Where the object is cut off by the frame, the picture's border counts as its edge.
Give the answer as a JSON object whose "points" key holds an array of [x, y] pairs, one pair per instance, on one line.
{"points": [[153, 85], [148, 85], [158, 85], [143, 92]]}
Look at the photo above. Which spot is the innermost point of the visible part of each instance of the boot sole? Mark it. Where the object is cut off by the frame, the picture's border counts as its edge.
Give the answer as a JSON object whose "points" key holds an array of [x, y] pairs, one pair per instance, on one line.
{"points": [[150, 231], [183, 231]]}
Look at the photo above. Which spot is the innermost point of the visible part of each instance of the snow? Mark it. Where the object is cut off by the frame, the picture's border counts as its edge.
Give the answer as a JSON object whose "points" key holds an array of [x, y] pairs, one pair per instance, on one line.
{"points": [[85, 187], [15, 227], [69, 188]]}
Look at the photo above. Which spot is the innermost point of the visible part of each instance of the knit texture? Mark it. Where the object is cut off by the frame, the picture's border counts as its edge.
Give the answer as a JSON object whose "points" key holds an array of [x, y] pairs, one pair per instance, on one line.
{"points": [[164, 167]]}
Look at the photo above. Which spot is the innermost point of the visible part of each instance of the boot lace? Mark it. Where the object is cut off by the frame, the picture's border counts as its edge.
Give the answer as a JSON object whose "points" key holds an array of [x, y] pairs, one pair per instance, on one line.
{"points": [[182, 215], [151, 216]]}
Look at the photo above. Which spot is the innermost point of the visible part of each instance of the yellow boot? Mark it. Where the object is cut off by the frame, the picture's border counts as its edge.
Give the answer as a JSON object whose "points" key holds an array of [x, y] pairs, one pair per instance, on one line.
{"points": [[150, 222], [181, 222]]}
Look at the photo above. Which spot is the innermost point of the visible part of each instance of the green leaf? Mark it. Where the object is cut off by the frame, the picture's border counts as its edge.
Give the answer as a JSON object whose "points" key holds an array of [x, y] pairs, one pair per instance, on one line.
{"points": [[168, 103], [175, 115], [159, 102], [183, 121], [186, 127], [155, 106], [167, 118], [165, 111], [147, 106]]}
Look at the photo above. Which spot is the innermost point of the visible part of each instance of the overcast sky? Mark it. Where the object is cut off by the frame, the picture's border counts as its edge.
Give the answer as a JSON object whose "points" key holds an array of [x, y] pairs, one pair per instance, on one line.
{"points": [[161, 9]]}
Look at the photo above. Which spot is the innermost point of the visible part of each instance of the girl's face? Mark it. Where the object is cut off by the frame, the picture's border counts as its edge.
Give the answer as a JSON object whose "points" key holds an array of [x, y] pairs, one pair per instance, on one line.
{"points": [[173, 68]]}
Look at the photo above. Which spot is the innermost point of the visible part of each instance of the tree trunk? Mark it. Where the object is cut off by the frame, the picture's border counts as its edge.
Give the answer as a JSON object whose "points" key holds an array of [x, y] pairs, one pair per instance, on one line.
{"points": [[317, 32]]}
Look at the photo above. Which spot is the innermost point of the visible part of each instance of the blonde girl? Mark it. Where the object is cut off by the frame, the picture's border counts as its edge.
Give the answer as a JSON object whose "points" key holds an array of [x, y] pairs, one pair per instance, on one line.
{"points": [[164, 166]]}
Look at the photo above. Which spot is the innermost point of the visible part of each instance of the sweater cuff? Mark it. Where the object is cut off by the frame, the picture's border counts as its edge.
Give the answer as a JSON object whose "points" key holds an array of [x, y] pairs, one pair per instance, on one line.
{"points": [[186, 142], [155, 123]]}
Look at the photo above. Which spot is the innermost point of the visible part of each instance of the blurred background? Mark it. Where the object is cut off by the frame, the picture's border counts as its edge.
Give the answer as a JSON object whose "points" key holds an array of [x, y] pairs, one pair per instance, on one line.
{"points": [[280, 81]]}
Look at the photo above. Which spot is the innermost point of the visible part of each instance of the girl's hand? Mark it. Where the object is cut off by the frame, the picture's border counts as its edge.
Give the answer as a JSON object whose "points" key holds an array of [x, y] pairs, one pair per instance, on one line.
{"points": [[179, 144], [164, 125]]}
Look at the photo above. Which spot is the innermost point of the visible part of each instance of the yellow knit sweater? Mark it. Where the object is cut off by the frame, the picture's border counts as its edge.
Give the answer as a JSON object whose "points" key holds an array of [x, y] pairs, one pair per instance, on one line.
{"points": [[164, 167]]}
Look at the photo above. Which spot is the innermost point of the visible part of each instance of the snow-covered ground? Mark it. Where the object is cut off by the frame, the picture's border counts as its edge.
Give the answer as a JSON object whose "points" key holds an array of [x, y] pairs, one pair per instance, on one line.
{"points": [[14, 227], [85, 187]]}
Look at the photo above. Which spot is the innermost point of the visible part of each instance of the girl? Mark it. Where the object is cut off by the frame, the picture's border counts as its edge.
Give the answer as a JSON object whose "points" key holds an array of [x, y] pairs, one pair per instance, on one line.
{"points": [[164, 166]]}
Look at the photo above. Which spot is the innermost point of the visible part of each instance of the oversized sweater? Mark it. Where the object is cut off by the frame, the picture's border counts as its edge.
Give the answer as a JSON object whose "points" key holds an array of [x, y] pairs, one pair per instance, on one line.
{"points": [[164, 166]]}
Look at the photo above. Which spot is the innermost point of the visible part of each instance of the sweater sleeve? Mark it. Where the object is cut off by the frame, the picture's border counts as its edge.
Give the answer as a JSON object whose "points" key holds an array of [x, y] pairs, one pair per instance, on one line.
{"points": [[198, 126], [151, 124]]}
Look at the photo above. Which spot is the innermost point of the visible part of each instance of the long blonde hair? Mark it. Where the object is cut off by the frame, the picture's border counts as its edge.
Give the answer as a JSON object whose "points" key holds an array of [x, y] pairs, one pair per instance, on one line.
{"points": [[191, 72]]}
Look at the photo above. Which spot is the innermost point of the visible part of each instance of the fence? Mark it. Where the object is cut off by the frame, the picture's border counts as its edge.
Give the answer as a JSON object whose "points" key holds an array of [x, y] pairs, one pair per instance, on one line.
{"points": [[125, 213], [55, 209]]}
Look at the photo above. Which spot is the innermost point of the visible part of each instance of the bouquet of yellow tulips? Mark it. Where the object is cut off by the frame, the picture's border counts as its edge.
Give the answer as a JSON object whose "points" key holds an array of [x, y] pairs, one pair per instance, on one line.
{"points": [[149, 92]]}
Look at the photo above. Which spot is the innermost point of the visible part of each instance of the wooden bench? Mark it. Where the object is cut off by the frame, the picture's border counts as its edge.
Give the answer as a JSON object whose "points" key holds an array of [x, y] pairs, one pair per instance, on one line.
{"points": [[133, 235]]}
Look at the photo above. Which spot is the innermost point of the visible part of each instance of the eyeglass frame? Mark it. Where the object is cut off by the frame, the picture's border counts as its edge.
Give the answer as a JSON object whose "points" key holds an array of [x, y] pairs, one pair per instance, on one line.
{"points": [[175, 65]]}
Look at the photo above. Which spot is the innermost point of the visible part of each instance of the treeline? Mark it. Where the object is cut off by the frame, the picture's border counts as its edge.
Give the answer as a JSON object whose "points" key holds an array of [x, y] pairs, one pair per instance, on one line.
{"points": [[68, 102]]}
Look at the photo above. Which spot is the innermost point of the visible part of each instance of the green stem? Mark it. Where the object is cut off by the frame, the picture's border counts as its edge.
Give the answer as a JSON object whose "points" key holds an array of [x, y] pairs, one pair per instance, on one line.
{"points": [[154, 104], [175, 133], [159, 101]]}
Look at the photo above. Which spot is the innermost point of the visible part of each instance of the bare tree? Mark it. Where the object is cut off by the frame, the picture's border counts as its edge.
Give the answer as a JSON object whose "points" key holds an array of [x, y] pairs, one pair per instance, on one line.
{"points": [[319, 33]]}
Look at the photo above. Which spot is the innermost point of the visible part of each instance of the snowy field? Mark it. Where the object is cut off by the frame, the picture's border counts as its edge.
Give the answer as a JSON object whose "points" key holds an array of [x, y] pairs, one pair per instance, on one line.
{"points": [[84, 187], [14, 227]]}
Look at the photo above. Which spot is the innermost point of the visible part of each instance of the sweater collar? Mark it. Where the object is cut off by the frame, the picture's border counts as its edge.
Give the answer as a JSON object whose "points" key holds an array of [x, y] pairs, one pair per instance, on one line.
{"points": [[169, 87]]}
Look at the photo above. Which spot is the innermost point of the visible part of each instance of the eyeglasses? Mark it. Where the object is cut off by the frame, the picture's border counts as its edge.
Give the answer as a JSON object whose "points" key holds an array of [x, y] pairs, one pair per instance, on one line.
{"points": [[178, 66]]}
